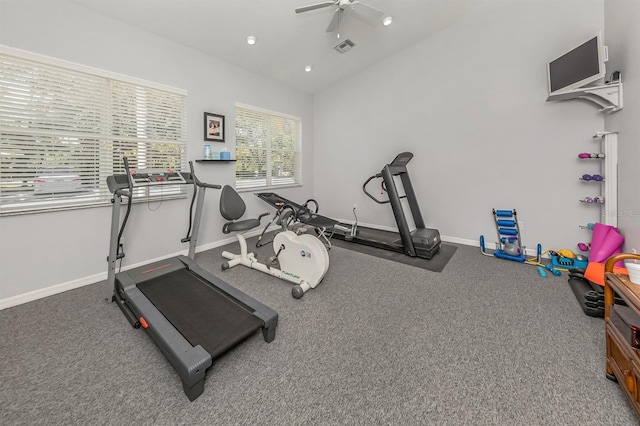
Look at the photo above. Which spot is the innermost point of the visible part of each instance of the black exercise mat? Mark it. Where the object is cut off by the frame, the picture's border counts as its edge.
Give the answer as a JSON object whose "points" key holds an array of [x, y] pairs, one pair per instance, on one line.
{"points": [[435, 264]]}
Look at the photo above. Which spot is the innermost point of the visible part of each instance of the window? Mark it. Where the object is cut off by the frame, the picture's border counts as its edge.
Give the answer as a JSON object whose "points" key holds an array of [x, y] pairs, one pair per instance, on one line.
{"points": [[64, 128], [268, 149]]}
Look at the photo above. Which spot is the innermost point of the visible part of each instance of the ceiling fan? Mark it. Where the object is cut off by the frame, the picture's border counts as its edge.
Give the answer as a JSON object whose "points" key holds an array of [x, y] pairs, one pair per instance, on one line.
{"points": [[363, 12]]}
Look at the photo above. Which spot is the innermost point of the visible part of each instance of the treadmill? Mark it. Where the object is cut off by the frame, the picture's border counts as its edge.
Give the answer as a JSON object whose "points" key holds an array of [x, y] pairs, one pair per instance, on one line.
{"points": [[193, 316], [421, 242]]}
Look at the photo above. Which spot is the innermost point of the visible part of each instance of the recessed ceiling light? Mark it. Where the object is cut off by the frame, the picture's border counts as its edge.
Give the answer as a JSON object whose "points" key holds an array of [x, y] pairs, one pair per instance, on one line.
{"points": [[251, 40], [308, 68], [387, 21]]}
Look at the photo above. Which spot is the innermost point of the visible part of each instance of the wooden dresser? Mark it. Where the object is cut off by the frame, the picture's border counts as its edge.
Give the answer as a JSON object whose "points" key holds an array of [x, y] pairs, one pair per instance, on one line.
{"points": [[623, 360]]}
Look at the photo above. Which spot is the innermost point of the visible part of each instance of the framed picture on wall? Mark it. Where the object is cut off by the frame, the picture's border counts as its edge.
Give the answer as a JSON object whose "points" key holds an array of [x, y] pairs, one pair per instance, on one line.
{"points": [[213, 127]]}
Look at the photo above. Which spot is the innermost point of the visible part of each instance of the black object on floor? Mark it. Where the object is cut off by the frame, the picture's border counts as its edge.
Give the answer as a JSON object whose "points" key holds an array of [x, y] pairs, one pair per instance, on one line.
{"points": [[435, 264], [191, 315], [581, 288], [590, 296], [181, 296]]}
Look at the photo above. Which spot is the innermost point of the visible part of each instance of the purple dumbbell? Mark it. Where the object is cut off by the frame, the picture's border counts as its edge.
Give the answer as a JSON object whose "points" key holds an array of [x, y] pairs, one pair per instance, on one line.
{"points": [[596, 178], [583, 246]]}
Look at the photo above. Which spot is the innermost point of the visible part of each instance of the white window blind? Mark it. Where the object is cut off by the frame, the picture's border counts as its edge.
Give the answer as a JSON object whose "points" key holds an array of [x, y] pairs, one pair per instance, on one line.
{"points": [[268, 149], [64, 128]]}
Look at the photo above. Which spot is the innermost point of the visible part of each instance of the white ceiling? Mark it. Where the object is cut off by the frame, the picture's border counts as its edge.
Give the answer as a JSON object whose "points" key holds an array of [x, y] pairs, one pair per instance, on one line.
{"points": [[286, 41]]}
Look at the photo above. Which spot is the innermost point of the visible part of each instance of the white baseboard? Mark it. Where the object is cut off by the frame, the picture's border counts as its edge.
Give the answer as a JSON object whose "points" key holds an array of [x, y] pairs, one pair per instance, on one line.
{"points": [[50, 291], [92, 279], [462, 241]]}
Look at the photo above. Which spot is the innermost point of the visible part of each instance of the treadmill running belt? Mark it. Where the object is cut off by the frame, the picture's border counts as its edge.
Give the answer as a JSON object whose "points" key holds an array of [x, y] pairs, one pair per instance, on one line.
{"points": [[201, 313], [376, 238]]}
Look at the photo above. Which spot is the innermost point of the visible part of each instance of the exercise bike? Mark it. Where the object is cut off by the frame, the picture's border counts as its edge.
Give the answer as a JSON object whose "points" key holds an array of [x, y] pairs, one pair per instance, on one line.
{"points": [[303, 259]]}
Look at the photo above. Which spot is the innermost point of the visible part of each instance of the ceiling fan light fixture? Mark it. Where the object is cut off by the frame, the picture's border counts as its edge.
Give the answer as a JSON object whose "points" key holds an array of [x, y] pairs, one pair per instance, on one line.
{"points": [[251, 40], [308, 68], [387, 21]]}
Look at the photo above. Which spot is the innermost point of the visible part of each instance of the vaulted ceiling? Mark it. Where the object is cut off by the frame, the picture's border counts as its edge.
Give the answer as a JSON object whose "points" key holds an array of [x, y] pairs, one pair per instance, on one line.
{"points": [[287, 41]]}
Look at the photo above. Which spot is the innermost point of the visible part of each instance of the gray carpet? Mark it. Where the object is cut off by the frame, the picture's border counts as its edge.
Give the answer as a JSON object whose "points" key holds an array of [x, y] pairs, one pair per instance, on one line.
{"points": [[485, 342]]}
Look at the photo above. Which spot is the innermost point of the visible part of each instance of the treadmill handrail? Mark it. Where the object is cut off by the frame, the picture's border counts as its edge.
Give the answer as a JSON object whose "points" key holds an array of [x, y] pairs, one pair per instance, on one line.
{"points": [[364, 188], [121, 186], [397, 167], [199, 182]]}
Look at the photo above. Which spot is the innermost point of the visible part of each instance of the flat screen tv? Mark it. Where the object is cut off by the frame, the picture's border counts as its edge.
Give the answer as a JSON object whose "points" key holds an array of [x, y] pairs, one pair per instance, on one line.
{"points": [[579, 67]]}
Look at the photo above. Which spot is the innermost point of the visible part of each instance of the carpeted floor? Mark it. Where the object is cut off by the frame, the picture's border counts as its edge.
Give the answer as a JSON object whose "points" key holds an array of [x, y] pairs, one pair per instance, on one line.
{"points": [[484, 342]]}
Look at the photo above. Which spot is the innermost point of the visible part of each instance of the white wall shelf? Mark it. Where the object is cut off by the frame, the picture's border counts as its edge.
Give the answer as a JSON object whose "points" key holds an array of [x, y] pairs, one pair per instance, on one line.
{"points": [[608, 96]]}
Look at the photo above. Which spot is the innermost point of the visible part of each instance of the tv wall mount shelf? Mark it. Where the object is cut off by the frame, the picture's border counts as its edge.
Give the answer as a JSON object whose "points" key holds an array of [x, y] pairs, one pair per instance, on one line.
{"points": [[608, 96]]}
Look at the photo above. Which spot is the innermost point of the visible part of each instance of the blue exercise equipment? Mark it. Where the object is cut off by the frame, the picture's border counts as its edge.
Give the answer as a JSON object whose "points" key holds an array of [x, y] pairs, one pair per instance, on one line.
{"points": [[509, 245]]}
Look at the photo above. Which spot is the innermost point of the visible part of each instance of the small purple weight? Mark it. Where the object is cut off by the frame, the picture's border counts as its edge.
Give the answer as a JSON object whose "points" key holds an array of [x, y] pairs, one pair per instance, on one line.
{"points": [[596, 178]]}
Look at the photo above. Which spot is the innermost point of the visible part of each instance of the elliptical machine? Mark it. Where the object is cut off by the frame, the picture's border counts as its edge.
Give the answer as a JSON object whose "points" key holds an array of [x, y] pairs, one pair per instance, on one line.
{"points": [[303, 259]]}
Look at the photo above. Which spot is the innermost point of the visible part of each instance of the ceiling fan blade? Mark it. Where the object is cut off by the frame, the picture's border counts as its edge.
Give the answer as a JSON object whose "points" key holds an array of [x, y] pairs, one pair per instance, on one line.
{"points": [[314, 6], [365, 13], [335, 21]]}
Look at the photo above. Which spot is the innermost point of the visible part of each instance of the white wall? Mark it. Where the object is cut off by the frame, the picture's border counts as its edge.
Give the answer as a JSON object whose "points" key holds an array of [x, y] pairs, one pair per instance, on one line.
{"points": [[469, 102], [622, 34], [47, 252]]}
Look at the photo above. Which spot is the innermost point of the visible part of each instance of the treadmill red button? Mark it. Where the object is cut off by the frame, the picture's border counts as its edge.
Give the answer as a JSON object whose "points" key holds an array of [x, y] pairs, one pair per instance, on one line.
{"points": [[143, 323]]}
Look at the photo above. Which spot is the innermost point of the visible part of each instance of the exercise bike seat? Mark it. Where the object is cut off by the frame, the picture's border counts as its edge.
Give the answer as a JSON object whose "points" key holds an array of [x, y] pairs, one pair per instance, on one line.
{"points": [[232, 207]]}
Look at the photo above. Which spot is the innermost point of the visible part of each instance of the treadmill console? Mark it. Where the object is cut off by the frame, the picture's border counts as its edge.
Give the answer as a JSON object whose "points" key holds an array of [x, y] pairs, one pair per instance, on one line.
{"points": [[401, 159], [146, 179], [150, 178]]}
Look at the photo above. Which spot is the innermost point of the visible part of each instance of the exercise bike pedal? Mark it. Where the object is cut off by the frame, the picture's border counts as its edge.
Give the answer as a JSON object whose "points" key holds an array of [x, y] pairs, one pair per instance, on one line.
{"points": [[272, 262]]}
